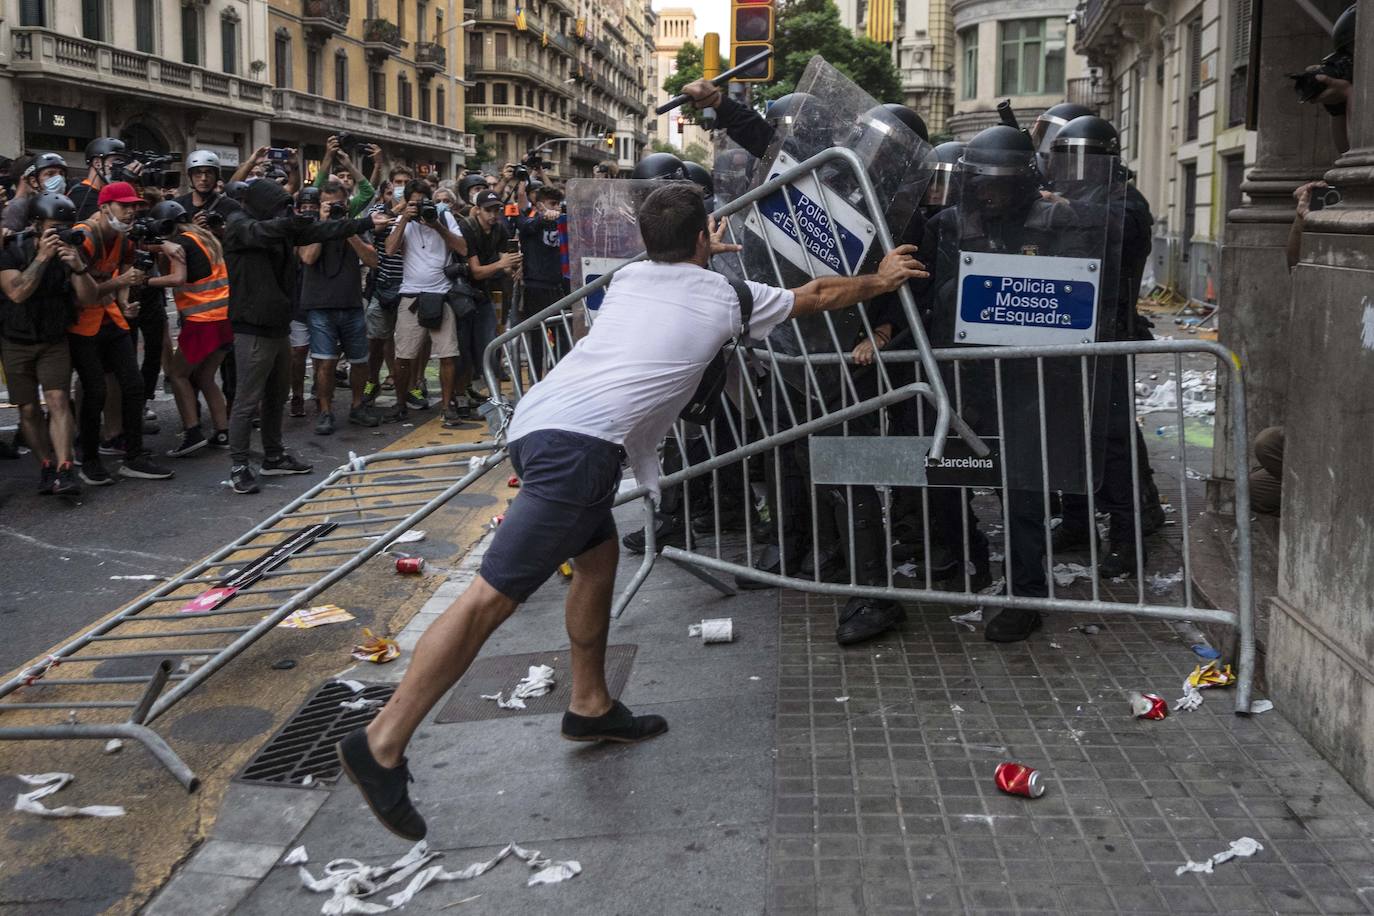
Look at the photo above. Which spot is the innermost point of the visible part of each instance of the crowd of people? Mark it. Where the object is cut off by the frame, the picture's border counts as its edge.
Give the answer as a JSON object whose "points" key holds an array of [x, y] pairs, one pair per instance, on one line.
{"points": [[225, 291]]}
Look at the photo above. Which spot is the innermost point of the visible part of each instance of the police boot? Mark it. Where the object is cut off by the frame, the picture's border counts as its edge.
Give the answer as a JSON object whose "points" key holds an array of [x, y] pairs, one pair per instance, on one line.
{"points": [[1012, 624], [668, 529], [1121, 559], [865, 618]]}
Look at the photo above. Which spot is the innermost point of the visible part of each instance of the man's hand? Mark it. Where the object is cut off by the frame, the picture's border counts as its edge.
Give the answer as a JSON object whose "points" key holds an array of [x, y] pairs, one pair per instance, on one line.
{"points": [[1303, 195], [899, 266], [511, 261], [49, 246], [508, 172], [134, 167], [132, 277], [1337, 92], [259, 155], [374, 151], [717, 234], [344, 160], [380, 220], [173, 251], [703, 93], [331, 146], [411, 212], [71, 257]]}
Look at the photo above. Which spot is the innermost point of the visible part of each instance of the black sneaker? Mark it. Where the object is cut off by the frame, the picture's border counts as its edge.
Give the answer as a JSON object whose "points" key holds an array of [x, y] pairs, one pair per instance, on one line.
{"points": [[667, 530], [220, 439], [865, 618], [192, 440], [618, 724], [416, 400], [324, 424], [1012, 625], [47, 478], [384, 789], [113, 445], [144, 467], [454, 420], [93, 473], [243, 479], [363, 415], [285, 463], [1070, 537], [1117, 563], [67, 484], [397, 414]]}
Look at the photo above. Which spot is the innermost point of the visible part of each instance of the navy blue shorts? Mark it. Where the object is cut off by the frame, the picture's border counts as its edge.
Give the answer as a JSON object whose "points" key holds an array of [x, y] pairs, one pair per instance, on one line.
{"points": [[568, 484]]}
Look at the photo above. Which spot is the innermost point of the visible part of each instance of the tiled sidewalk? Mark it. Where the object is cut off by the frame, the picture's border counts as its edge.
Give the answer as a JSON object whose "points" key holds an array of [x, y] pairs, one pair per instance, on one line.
{"points": [[885, 800]]}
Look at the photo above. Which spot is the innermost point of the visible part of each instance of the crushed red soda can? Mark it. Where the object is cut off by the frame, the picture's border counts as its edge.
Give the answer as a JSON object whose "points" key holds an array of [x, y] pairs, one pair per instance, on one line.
{"points": [[513, 483], [1019, 779], [495, 522], [1148, 705], [410, 564]]}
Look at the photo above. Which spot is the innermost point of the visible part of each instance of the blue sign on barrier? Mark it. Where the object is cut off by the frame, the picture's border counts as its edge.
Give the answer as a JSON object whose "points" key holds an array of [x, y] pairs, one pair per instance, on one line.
{"points": [[815, 235], [1026, 300]]}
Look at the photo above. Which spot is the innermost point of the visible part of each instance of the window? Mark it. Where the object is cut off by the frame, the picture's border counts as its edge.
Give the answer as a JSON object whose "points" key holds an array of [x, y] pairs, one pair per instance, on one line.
{"points": [[421, 12], [1237, 97], [281, 59], [1137, 106], [474, 49], [1189, 208], [376, 90], [1032, 57], [93, 19], [190, 35], [499, 93], [401, 17], [341, 75], [33, 13], [968, 40], [439, 106], [1233, 169], [373, 12], [144, 26], [520, 94], [229, 40], [423, 94], [501, 47], [403, 88], [312, 71], [1193, 76]]}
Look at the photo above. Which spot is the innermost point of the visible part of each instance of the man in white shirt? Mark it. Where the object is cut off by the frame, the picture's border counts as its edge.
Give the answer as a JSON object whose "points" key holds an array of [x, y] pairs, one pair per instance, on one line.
{"points": [[425, 234], [614, 396]]}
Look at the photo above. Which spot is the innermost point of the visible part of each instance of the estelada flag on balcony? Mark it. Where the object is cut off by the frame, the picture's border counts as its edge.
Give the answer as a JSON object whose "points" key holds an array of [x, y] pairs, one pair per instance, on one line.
{"points": [[581, 28], [544, 42], [520, 18], [880, 20]]}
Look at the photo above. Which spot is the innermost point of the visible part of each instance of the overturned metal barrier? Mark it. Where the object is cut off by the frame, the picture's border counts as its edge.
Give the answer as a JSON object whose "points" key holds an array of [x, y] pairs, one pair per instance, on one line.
{"points": [[313, 542]]}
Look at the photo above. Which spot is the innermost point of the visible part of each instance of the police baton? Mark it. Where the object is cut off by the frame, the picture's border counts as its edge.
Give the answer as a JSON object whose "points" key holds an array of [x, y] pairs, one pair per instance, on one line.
{"points": [[678, 101]]}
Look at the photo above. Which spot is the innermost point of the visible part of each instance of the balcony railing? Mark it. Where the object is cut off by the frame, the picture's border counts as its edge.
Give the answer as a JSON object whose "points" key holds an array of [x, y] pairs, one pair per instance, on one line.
{"points": [[519, 116], [328, 114], [324, 18], [382, 37], [43, 51], [430, 57], [1082, 91], [535, 71], [590, 114]]}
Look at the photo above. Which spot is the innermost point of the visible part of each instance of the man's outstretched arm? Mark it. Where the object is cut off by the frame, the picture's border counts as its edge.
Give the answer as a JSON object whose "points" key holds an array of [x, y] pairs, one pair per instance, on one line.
{"points": [[829, 293]]}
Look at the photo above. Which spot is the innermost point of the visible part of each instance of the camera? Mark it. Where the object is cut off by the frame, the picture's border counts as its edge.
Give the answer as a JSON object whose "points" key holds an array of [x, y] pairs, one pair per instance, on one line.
{"points": [[145, 231], [1337, 65], [213, 220], [154, 173], [1323, 198], [429, 211], [339, 210], [144, 261], [71, 235]]}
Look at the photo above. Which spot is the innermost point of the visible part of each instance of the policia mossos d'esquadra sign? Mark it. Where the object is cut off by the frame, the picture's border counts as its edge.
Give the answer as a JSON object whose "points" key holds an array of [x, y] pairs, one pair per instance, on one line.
{"points": [[1026, 300], [809, 242]]}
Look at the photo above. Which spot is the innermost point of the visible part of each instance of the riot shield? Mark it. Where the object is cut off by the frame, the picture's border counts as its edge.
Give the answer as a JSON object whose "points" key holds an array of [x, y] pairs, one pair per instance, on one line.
{"points": [[1027, 268]]}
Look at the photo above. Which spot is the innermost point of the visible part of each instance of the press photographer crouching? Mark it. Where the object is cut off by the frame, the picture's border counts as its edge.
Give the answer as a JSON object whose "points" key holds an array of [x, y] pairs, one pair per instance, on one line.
{"points": [[43, 279]]}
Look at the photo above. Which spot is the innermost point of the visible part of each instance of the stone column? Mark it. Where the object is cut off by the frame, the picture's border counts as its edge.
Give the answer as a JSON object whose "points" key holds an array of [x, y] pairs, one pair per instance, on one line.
{"points": [[1321, 637], [1294, 146]]}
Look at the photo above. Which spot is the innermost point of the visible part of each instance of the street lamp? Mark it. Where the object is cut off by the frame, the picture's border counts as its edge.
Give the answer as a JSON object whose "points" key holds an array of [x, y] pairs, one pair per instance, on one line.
{"points": [[465, 24]]}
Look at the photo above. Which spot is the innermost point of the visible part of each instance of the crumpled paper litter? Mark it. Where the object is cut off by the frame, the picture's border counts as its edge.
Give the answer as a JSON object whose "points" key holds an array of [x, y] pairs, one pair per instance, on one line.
{"points": [[376, 649], [297, 856], [968, 620], [536, 683], [309, 617], [49, 783], [1243, 847], [1065, 574]]}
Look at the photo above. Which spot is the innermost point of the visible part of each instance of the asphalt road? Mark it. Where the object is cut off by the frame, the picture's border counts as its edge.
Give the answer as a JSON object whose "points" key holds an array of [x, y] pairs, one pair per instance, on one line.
{"points": [[61, 561]]}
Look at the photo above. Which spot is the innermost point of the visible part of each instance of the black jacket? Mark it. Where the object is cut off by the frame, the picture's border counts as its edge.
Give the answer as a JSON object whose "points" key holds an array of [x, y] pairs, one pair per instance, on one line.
{"points": [[744, 125], [259, 250]]}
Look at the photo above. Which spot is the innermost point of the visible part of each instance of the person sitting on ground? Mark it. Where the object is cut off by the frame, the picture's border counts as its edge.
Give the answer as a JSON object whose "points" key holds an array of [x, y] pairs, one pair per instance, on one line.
{"points": [[614, 396]]}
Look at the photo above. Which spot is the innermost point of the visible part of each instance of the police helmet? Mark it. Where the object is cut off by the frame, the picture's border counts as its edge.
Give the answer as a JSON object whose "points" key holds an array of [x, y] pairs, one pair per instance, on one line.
{"points": [[660, 167], [167, 215], [308, 197], [1081, 148], [997, 170], [56, 207], [234, 190], [202, 159], [783, 109], [1343, 32], [910, 118], [45, 161], [1051, 120], [104, 146], [940, 192], [698, 175]]}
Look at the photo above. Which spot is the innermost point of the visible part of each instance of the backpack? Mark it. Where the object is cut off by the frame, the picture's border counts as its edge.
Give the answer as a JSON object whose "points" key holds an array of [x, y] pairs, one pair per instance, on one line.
{"points": [[705, 401]]}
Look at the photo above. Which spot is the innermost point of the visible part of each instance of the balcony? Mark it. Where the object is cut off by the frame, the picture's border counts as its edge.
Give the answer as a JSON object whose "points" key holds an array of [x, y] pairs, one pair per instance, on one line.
{"points": [[382, 38], [519, 116], [430, 58], [1103, 25], [323, 19], [328, 115], [590, 114], [45, 54], [536, 72], [1083, 91]]}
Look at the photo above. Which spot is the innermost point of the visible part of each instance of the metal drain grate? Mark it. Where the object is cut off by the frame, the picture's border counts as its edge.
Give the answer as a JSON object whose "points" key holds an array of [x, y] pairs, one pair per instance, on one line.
{"points": [[502, 672], [304, 747]]}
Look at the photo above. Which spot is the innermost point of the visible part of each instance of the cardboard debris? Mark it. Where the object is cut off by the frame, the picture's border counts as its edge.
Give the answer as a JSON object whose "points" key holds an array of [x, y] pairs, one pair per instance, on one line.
{"points": [[309, 617], [50, 783]]}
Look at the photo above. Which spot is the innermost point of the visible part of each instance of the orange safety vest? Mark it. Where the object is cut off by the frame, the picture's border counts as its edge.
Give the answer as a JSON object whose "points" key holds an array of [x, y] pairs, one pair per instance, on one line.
{"points": [[102, 267], [207, 299]]}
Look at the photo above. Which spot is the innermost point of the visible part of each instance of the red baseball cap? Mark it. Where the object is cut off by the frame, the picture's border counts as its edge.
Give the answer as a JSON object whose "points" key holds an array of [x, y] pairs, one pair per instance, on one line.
{"points": [[119, 192]]}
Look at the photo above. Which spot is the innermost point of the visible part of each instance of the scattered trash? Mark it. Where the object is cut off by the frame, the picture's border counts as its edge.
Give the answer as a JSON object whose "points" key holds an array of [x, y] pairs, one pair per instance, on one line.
{"points": [[1160, 584], [566, 570], [49, 783], [1243, 847], [409, 537], [376, 649], [1019, 779], [536, 683], [113, 746], [284, 664], [355, 686], [361, 703], [1197, 389], [715, 629], [410, 564], [309, 617], [1088, 629], [754, 677], [297, 856], [474, 463], [192, 660], [1055, 645], [1194, 475], [1259, 706], [968, 620], [1211, 674], [995, 588], [1065, 574], [909, 570], [1168, 508], [348, 881], [38, 669], [1204, 651], [208, 600], [308, 781], [513, 482], [147, 578], [1148, 705], [841, 699], [495, 522], [1190, 700], [956, 708]]}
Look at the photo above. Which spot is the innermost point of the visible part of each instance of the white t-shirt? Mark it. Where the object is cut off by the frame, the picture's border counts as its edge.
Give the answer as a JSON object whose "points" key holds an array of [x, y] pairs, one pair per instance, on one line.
{"points": [[629, 378], [425, 257]]}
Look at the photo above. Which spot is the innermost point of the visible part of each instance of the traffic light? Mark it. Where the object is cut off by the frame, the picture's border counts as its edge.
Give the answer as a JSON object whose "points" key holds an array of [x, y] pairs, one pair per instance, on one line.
{"points": [[610, 139], [751, 32]]}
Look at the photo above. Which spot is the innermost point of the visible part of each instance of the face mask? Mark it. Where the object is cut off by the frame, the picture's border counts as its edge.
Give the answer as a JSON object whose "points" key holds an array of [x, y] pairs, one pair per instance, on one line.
{"points": [[54, 184], [118, 225], [398, 193], [442, 207]]}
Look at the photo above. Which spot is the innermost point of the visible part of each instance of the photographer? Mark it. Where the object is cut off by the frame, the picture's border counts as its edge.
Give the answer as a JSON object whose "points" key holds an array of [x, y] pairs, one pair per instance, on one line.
{"points": [[331, 287], [494, 260], [385, 288], [426, 237], [259, 247], [44, 174], [542, 271], [107, 160], [100, 340], [340, 166], [266, 161], [204, 204], [43, 279]]}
